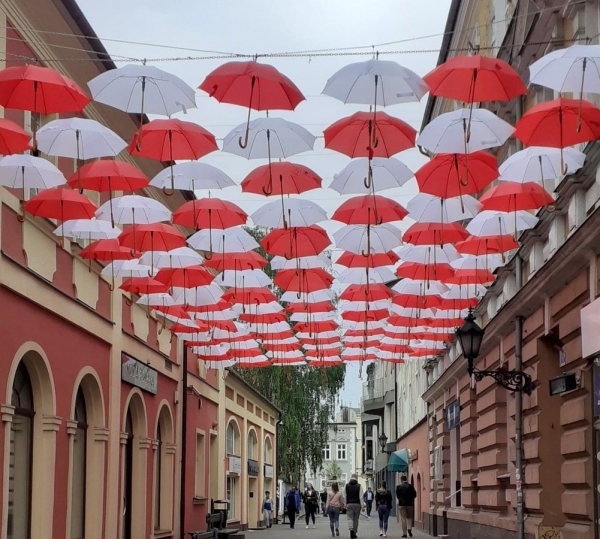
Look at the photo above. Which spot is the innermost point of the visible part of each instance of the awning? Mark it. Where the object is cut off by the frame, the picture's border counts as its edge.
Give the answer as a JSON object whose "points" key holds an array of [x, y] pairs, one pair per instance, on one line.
{"points": [[399, 461]]}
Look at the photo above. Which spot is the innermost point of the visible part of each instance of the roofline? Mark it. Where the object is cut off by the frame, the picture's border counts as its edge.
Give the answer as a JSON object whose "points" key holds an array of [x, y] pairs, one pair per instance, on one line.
{"points": [[252, 389], [444, 49]]}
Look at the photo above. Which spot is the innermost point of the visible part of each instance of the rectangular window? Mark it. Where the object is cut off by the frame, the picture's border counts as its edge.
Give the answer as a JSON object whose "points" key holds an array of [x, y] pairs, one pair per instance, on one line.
{"points": [[200, 490], [213, 474], [341, 451], [327, 452], [438, 474], [455, 468], [232, 496]]}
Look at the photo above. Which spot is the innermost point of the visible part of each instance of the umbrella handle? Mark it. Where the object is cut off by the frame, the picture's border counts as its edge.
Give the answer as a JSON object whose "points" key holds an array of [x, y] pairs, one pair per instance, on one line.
{"points": [[170, 192], [244, 142], [138, 143], [21, 216], [368, 181], [128, 301]]}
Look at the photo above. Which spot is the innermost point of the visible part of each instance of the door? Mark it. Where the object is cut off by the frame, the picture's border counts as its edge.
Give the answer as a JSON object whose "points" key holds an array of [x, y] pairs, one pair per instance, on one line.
{"points": [[128, 479]]}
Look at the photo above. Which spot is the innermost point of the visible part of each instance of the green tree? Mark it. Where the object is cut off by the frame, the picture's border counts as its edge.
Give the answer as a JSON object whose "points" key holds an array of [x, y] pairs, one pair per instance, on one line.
{"points": [[306, 397], [333, 470]]}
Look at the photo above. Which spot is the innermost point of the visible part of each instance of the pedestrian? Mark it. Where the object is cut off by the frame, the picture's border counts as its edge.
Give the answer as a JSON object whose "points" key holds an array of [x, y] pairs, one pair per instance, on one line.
{"points": [[354, 504], [334, 505], [267, 507], [292, 505], [311, 502], [406, 495], [324, 501], [383, 502], [368, 497]]}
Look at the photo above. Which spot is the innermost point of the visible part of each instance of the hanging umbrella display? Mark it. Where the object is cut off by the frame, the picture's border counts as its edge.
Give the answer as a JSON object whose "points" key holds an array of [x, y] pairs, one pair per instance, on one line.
{"points": [[236, 261], [386, 173], [294, 212], [190, 176], [494, 223], [425, 208], [355, 260], [253, 85], [368, 240], [60, 204], [107, 251], [133, 209], [513, 196], [179, 257], [152, 237], [435, 233], [13, 138], [228, 240], [290, 179], [296, 241], [369, 210], [87, 229]]}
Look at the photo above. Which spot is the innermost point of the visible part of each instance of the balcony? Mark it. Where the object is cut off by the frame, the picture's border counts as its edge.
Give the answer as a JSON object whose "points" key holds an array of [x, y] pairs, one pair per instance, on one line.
{"points": [[375, 396]]}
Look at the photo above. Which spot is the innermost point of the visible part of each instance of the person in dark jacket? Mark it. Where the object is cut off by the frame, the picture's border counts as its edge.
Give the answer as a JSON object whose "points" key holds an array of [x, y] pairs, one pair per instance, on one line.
{"points": [[406, 494], [292, 505], [383, 502], [354, 504], [323, 497], [369, 497], [311, 502]]}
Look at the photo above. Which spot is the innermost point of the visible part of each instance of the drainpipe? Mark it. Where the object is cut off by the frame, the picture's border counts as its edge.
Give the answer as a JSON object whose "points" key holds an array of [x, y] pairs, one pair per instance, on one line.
{"points": [[182, 496], [519, 476]]}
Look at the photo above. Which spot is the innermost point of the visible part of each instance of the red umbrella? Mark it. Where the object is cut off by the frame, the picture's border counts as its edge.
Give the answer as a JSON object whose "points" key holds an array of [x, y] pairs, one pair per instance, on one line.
{"points": [[291, 179], [365, 316], [294, 242], [424, 272], [237, 261], [412, 301], [303, 280], [471, 276], [458, 304], [270, 318], [435, 233], [253, 85], [473, 79], [107, 251], [375, 292], [61, 204], [189, 277], [40, 89], [249, 296], [369, 210], [144, 285], [408, 321], [352, 260], [211, 213], [318, 307], [452, 175], [555, 123], [513, 196], [369, 135], [152, 237], [108, 176], [13, 138], [485, 245], [171, 140], [316, 327]]}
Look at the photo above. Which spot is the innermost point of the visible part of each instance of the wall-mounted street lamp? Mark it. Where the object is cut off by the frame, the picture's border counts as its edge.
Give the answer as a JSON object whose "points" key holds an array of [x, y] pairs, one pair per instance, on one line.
{"points": [[470, 337], [383, 441]]}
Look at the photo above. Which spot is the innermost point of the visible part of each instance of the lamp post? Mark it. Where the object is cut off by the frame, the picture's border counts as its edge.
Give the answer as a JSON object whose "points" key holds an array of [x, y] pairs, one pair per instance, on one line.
{"points": [[383, 441], [470, 337]]}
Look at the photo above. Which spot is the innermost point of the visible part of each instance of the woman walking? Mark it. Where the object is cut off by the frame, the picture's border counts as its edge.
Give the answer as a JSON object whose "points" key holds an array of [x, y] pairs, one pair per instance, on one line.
{"points": [[267, 507], [333, 507], [311, 502], [383, 501]]}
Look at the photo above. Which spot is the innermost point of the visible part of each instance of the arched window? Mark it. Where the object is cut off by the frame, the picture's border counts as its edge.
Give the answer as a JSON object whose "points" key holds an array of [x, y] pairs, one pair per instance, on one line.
{"points": [[268, 451], [252, 446], [79, 472], [163, 473], [21, 449], [232, 439], [158, 476]]}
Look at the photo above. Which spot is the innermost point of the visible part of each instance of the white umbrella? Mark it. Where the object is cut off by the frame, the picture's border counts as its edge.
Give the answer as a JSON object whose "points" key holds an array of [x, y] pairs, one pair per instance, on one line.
{"points": [[376, 81], [192, 175], [29, 172], [156, 300], [420, 288], [489, 261], [313, 317], [412, 312], [428, 254], [494, 223], [198, 296], [228, 240], [447, 133], [304, 262], [464, 291], [258, 308], [272, 138], [359, 275], [142, 89], [252, 278], [181, 257], [132, 209], [320, 335], [575, 69], [356, 306], [309, 297], [385, 173], [128, 269], [79, 138], [366, 239], [227, 314], [289, 212], [540, 164], [88, 229], [425, 208]]}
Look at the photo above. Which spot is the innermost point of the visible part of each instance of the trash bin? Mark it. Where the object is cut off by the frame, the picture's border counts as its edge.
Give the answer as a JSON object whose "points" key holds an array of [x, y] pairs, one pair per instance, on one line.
{"points": [[220, 506]]}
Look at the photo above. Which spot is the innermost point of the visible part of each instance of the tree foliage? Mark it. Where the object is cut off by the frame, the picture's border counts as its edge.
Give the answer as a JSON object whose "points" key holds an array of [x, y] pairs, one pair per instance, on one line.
{"points": [[306, 397]]}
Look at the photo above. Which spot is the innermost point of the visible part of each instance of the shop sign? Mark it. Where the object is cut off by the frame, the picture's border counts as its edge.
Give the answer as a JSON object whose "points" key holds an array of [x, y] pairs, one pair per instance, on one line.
{"points": [[253, 467], [268, 471], [136, 373], [235, 465], [453, 415]]}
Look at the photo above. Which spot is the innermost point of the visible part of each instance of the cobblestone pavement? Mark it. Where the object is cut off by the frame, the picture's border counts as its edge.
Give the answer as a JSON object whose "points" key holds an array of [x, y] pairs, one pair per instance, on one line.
{"points": [[367, 529]]}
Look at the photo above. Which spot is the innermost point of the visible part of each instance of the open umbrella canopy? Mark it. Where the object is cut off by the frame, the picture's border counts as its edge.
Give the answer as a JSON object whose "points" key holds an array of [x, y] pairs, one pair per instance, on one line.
{"points": [[369, 210], [108, 175], [61, 204], [281, 178], [13, 138]]}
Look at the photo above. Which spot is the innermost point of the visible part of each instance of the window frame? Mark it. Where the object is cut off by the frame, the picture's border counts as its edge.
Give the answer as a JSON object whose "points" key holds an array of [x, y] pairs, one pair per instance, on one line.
{"points": [[81, 428], [341, 448]]}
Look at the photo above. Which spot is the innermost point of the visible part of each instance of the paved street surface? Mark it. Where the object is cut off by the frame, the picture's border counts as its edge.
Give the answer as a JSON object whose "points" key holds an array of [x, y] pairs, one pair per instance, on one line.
{"points": [[367, 529]]}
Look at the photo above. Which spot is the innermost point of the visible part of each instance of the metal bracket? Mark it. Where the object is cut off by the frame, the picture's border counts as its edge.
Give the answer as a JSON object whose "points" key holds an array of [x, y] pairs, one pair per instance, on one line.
{"points": [[511, 380]]}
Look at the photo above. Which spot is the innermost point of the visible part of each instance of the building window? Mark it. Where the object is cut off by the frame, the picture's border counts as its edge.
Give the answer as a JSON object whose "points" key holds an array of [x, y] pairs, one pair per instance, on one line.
{"points": [[79, 469], [163, 472], [232, 493], [252, 446], [232, 438], [21, 449], [200, 489], [327, 452], [268, 451], [341, 451]]}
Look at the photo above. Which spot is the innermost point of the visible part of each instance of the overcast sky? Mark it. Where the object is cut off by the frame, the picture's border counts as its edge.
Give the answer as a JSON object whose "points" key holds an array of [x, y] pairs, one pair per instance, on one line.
{"points": [[259, 27]]}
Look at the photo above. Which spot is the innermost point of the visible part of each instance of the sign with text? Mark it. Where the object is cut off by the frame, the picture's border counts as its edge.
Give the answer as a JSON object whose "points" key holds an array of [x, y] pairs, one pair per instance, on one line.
{"points": [[235, 465], [253, 467], [268, 471], [136, 373]]}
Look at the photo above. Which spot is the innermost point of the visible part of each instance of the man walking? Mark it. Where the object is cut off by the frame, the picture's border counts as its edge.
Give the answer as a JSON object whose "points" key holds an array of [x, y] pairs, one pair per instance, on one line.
{"points": [[354, 504], [368, 497], [292, 505], [406, 495]]}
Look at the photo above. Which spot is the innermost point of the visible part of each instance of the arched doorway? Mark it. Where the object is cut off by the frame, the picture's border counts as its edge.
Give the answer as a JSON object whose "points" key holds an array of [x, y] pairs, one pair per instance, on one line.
{"points": [[135, 445], [163, 472], [418, 514], [233, 490], [268, 458], [253, 492]]}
